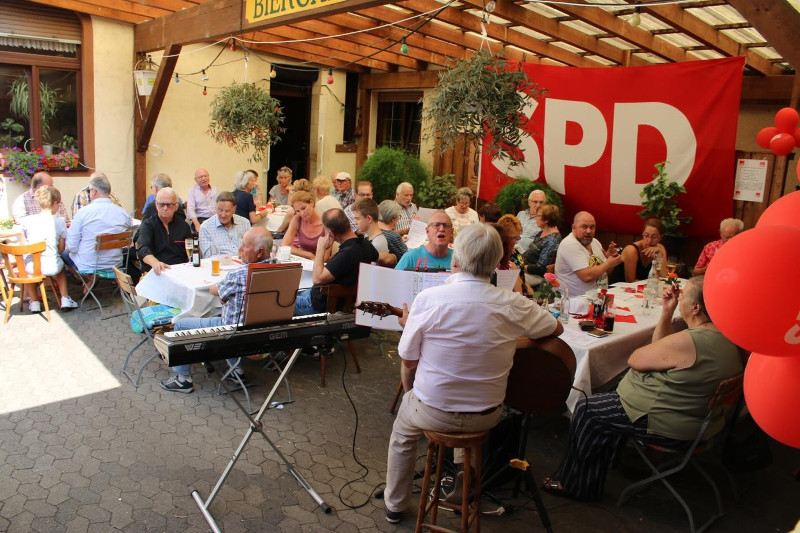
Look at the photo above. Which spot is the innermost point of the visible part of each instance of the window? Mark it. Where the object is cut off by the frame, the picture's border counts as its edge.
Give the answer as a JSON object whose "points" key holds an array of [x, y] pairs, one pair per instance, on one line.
{"points": [[39, 78], [400, 121]]}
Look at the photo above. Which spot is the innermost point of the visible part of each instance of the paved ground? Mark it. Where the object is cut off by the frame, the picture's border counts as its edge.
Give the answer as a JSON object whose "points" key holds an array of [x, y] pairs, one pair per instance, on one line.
{"points": [[82, 450]]}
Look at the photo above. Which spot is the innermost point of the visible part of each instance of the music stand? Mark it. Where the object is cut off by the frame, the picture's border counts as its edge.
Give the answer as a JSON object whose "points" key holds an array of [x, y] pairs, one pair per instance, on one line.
{"points": [[261, 286]]}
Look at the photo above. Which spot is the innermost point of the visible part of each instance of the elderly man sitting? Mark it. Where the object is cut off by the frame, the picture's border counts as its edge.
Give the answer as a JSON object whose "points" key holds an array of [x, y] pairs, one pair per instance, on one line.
{"points": [[728, 228], [101, 216], [436, 254], [457, 347], [581, 262], [663, 398], [527, 218], [256, 247], [26, 203], [222, 233], [403, 196], [162, 238]]}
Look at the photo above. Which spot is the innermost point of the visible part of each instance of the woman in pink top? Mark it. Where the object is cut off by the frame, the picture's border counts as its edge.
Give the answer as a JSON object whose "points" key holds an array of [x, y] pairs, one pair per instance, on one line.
{"points": [[306, 228]]}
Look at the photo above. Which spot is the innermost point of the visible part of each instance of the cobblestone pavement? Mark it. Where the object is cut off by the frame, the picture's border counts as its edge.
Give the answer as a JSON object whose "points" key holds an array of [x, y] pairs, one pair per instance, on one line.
{"points": [[82, 450]]}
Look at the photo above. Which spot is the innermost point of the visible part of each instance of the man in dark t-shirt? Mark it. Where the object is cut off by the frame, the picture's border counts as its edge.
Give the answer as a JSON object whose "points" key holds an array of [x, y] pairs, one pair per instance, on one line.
{"points": [[343, 267]]}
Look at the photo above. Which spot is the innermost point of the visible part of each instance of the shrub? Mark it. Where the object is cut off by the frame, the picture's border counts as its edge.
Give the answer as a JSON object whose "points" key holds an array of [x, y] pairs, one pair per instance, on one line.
{"points": [[513, 197], [438, 192], [387, 168]]}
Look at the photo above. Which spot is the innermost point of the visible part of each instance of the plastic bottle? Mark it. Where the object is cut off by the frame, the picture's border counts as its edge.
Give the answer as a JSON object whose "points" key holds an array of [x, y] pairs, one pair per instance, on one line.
{"points": [[564, 316]]}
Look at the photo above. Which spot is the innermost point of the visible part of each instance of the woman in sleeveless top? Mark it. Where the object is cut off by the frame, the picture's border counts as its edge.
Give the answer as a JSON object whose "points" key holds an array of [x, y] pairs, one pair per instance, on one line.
{"points": [[305, 228], [663, 398], [638, 257]]}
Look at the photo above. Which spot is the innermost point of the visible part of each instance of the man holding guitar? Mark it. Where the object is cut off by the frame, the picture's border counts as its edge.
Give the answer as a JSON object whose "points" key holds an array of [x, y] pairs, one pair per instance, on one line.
{"points": [[457, 348]]}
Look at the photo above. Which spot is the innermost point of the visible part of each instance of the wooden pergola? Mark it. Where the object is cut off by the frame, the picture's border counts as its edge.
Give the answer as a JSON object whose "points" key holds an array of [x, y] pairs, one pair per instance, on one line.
{"points": [[366, 36]]}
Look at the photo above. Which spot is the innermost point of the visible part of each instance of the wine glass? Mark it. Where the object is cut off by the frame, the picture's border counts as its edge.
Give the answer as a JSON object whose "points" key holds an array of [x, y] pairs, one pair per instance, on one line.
{"points": [[188, 244], [672, 264]]}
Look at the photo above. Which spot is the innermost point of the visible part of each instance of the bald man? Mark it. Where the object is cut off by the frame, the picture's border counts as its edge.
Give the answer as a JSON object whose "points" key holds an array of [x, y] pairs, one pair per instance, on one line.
{"points": [[581, 262], [26, 204], [527, 218]]}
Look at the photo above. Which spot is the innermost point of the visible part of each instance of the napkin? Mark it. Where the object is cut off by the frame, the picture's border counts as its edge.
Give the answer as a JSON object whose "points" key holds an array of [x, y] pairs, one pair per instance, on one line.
{"points": [[624, 315]]}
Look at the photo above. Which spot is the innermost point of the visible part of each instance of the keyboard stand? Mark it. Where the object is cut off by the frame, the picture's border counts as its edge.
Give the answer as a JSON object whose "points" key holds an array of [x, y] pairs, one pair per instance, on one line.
{"points": [[255, 426]]}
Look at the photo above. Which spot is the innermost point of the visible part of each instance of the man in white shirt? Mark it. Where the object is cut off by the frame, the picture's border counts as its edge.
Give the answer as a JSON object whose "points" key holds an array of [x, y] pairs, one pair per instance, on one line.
{"points": [[527, 218], [581, 262], [101, 216], [457, 348], [403, 196]]}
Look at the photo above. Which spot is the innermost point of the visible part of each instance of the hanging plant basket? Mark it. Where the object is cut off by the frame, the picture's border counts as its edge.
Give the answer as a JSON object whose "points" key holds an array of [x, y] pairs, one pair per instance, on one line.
{"points": [[246, 118], [478, 96]]}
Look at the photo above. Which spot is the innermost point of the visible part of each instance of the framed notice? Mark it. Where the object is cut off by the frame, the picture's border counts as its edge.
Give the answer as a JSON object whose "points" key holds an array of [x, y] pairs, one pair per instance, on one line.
{"points": [[751, 175]]}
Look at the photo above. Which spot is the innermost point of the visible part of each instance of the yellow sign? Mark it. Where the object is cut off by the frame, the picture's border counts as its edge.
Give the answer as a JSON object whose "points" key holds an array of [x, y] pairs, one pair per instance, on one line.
{"points": [[258, 10]]}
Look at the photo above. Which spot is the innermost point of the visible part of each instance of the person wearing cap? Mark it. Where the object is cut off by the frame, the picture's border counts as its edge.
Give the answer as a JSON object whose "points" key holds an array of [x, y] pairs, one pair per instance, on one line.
{"points": [[344, 191]]}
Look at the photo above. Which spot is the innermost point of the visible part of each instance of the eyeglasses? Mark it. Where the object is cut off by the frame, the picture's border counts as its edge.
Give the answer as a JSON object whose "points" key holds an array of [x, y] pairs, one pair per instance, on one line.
{"points": [[442, 225], [163, 204], [651, 236]]}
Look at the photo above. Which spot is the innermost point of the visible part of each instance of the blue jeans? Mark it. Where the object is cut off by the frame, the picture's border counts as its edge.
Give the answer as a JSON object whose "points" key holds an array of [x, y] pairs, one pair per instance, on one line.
{"points": [[194, 323], [68, 260], [302, 305]]}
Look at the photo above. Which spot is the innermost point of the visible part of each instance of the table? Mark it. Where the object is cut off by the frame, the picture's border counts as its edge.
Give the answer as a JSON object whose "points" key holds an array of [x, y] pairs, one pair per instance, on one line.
{"points": [[601, 360], [186, 287]]}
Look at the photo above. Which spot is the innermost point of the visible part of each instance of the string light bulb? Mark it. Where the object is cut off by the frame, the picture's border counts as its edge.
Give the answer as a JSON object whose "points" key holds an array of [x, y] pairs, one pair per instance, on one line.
{"points": [[272, 73], [636, 18], [330, 76], [205, 91], [204, 77], [403, 46], [177, 78], [233, 44]]}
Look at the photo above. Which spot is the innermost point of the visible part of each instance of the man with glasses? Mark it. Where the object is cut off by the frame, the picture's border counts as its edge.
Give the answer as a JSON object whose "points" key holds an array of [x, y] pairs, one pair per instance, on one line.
{"points": [[162, 238], [363, 190], [436, 254], [527, 218], [222, 233], [344, 191], [99, 217]]}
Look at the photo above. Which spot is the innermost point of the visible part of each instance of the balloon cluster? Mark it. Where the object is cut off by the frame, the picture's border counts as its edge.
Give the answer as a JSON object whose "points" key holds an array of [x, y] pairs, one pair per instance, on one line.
{"points": [[752, 291], [784, 135]]}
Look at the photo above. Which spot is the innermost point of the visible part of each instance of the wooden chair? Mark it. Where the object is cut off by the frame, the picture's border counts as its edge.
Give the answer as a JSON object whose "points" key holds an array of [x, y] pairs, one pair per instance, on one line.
{"points": [[340, 299], [722, 406], [105, 241], [17, 275]]}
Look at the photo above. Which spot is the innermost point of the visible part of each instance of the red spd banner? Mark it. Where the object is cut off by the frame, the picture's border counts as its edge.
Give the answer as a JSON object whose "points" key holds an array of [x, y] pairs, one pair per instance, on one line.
{"points": [[599, 131]]}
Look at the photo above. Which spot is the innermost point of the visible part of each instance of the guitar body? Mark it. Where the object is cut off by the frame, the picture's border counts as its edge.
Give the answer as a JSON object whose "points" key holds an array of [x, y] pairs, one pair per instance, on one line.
{"points": [[541, 377]]}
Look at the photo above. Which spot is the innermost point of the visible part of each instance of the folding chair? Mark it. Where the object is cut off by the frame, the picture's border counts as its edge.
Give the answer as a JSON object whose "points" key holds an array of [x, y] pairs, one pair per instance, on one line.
{"points": [[16, 274], [103, 241], [144, 320], [720, 406], [340, 298]]}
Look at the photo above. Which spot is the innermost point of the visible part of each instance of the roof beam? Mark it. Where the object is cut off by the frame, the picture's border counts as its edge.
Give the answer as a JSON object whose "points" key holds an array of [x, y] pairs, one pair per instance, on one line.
{"points": [[777, 21], [218, 19], [697, 29], [294, 54]]}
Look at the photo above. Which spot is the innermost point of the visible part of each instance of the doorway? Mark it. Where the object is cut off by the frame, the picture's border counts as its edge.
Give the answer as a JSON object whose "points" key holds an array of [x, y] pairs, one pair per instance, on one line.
{"points": [[292, 88]]}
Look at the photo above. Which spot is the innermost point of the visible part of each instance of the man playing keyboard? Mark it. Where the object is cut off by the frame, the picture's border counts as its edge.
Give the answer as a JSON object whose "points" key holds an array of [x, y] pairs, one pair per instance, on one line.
{"points": [[255, 248]]}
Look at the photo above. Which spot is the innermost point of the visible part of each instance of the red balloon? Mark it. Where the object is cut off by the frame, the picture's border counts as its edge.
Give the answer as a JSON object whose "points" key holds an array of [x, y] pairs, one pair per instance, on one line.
{"points": [[751, 289], [784, 211], [782, 144], [786, 120], [765, 136], [770, 389]]}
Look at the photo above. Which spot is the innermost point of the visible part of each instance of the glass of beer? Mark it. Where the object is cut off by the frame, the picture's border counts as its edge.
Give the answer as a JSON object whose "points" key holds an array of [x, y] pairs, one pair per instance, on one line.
{"points": [[188, 245], [215, 265]]}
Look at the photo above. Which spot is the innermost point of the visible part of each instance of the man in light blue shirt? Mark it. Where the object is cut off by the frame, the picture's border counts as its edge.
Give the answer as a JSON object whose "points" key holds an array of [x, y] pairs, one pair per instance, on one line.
{"points": [[436, 254], [101, 216], [222, 234]]}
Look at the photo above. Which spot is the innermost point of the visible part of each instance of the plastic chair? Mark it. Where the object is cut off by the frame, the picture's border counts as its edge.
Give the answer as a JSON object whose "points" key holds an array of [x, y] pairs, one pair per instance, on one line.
{"points": [[147, 321], [104, 241], [17, 275], [340, 299], [721, 405]]}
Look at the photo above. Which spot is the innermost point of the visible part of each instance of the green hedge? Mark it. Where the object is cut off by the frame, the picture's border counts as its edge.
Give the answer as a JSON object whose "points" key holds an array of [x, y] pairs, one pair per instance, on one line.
{"points": [[513, 197], [387, 168]]}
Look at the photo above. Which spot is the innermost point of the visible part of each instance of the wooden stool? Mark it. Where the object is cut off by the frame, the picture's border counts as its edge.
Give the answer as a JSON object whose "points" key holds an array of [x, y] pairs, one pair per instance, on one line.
{"points": [[472, 444]]}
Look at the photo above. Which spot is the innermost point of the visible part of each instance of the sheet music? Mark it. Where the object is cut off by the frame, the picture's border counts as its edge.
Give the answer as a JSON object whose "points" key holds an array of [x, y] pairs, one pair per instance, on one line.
{"points": [[424, 213], [417, 234], [507, 278]]}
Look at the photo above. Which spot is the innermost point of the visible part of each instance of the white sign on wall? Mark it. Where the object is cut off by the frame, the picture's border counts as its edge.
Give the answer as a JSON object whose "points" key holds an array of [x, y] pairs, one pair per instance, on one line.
{"points": [[751, 175]]}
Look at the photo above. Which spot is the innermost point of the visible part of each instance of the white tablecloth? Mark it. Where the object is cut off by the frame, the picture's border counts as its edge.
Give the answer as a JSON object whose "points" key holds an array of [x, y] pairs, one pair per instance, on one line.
{"points": [[601, 360], [185, 287]]}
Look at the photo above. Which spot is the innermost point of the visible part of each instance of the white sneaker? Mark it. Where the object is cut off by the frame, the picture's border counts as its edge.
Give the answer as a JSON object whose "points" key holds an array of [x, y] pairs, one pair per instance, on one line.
{"points": [[35, 306], [68, 304]]}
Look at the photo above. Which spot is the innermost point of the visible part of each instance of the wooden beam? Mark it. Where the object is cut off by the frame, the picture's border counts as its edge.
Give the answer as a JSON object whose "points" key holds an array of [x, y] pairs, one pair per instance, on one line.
{"points": [[217, 19], [309, 57], [530, 19], [407, 80], [160, 86], [767, 88], [692, 26], [91, 8], [777, 21]]}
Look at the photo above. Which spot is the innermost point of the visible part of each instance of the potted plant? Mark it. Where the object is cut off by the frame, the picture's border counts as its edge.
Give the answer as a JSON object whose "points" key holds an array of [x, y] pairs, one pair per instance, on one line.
{"points": [[14, 132], [387, 168], [245, 117], [63, 160], [20, 102], [660, 201], [438, 192], [20, 166], [481, 98]]}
